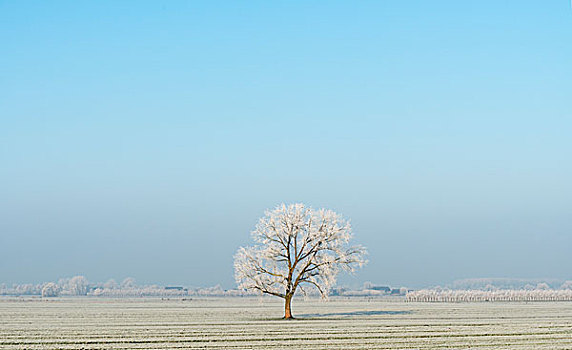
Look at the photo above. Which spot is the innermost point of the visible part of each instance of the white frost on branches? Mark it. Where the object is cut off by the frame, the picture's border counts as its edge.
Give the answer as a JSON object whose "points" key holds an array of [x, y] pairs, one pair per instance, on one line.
{"points": [[78, 285], [297, 247], [444, 296], [50, 289]]}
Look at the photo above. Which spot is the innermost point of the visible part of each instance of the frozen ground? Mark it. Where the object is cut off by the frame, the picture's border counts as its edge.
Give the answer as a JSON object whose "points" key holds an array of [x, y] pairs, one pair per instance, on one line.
{"points": [[249, 323]]}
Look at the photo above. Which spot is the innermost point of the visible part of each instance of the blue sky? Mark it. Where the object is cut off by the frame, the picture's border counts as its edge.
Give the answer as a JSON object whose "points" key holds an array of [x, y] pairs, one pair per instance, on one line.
{"points": [[145, 139]]}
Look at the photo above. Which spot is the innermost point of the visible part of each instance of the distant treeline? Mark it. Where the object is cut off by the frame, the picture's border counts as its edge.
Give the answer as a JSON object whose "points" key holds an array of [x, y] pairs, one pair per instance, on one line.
{"points": [[470, 290], [80, 286], [509, 283], [433, 295]]}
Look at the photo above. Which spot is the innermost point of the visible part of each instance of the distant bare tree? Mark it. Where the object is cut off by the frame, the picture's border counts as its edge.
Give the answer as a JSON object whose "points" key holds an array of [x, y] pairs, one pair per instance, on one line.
{"points": [[297, 246]]}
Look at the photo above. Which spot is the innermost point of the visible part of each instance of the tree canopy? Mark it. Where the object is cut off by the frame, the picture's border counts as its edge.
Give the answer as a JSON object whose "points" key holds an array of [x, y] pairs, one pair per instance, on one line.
{"points": [[297, 248]]}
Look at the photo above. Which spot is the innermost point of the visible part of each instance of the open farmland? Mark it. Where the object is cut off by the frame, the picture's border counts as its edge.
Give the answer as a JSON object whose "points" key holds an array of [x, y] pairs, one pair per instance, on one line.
{"points": [[251, 323]]}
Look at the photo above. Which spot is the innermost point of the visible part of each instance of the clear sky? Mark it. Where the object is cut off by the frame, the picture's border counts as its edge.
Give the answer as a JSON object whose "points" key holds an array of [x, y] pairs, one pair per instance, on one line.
{"points": [[145, 138]]}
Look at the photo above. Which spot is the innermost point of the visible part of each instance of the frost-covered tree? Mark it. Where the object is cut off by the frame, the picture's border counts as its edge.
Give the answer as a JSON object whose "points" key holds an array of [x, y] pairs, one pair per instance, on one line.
{"points": [[77, 285], [50, 289], [297, 247], [27, 289], [111, 284], [128, 283]]}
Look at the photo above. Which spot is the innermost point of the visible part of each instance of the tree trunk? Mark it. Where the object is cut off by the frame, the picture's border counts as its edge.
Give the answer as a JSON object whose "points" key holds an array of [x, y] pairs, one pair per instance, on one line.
{"points": [[287, 307]]}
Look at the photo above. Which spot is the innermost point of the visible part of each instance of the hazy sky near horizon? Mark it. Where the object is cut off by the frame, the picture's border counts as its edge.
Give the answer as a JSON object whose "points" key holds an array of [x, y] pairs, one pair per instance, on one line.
{"points": [[146, 138]]}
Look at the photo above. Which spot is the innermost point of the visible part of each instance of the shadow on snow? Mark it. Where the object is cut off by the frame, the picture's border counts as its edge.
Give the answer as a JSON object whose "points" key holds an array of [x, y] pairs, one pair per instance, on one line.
{"points": [[355, 313]]}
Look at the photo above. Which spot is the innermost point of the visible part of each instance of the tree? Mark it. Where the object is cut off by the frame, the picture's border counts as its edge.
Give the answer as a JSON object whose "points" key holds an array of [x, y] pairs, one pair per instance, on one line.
{"points": [[78, 285], [128, 283], [50, 289], [111, 284], [297, 247]]}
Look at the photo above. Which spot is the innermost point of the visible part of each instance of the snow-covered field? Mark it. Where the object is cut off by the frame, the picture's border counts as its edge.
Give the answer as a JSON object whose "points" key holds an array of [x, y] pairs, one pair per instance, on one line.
{"points": [[251, 323]]}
